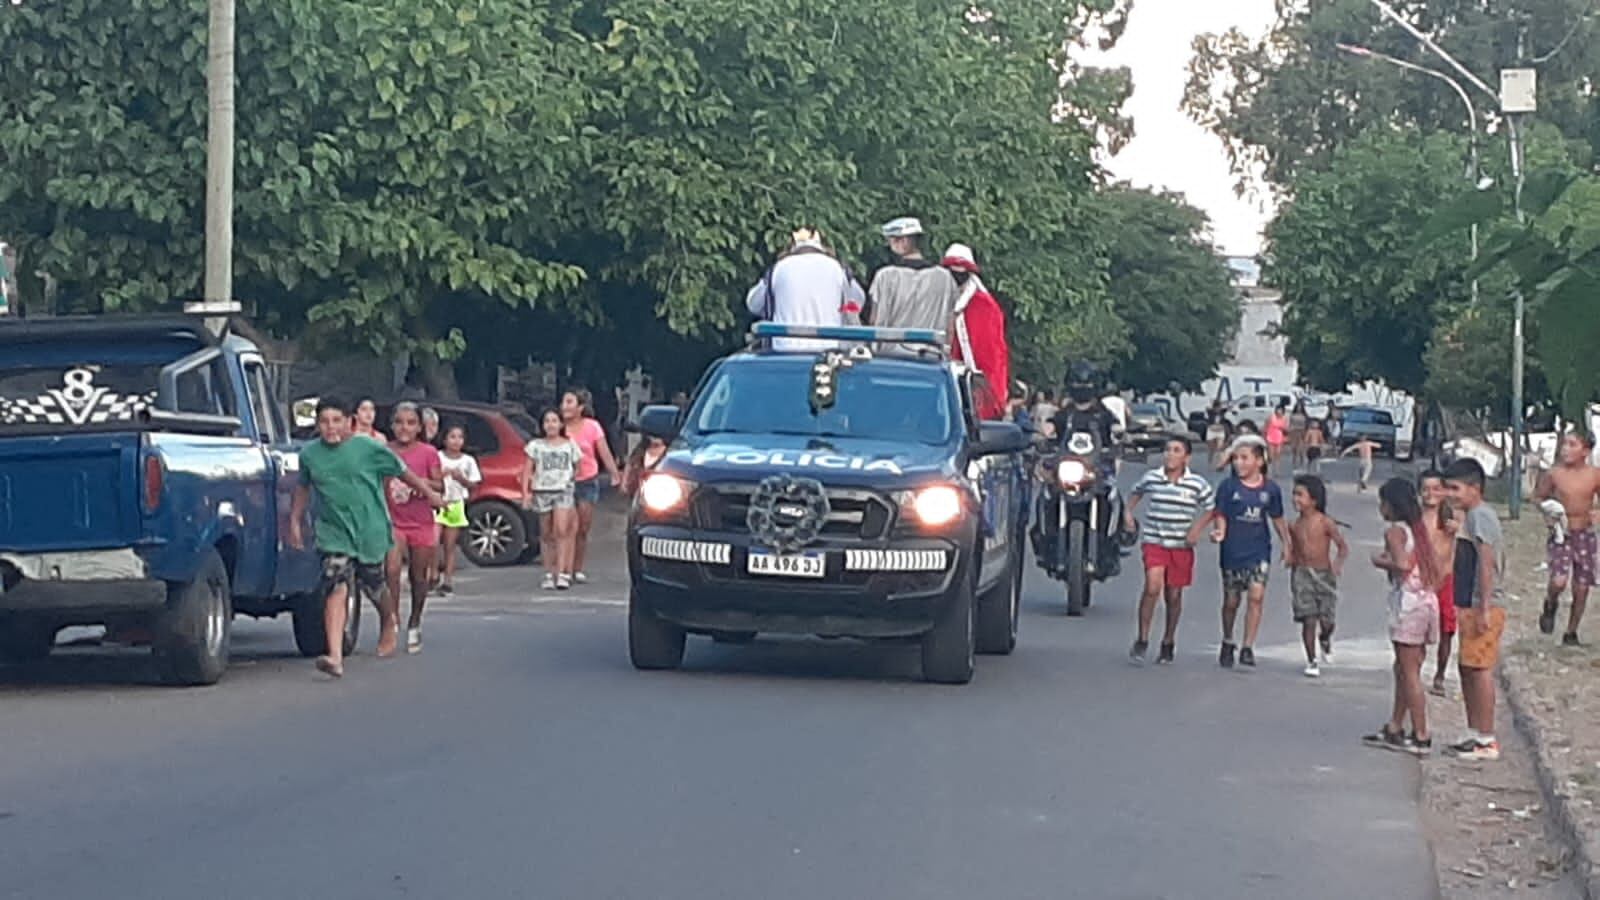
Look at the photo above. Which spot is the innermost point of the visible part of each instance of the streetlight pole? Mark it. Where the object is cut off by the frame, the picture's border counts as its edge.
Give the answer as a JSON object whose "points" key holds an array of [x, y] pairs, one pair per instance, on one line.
{"points": [[1514, 135], [218, 298], [1474, 173]]}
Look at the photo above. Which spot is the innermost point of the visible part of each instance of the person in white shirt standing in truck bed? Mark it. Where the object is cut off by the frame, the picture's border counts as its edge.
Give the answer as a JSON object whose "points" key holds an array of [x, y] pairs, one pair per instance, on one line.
{"points": [[808, 285], [911, 292]]}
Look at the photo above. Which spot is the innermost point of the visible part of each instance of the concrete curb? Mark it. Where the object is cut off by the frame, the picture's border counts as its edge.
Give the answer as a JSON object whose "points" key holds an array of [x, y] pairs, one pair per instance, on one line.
{"points": [[1585, 848]]}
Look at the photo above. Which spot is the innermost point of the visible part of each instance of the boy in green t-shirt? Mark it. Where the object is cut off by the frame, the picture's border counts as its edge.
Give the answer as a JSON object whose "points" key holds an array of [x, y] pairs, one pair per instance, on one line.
{"points": [[353, 530]]}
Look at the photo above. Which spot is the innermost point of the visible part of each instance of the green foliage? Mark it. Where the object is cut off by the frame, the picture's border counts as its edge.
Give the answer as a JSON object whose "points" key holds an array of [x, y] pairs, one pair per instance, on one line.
{"points": [[1168, 283], [1363, 286]]}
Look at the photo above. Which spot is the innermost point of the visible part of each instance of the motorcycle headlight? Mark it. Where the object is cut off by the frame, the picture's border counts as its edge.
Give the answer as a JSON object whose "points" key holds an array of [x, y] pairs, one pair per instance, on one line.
{"points": [[937, 506], [663, 493], [1072, 472]]}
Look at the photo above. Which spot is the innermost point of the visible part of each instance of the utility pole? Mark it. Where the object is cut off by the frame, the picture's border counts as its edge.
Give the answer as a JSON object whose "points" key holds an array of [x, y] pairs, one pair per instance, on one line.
{"points": [[218, 301]]}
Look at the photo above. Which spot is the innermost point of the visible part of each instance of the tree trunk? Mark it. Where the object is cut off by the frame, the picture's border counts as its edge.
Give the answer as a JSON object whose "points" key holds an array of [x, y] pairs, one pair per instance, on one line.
{"points": [[438, 377]]}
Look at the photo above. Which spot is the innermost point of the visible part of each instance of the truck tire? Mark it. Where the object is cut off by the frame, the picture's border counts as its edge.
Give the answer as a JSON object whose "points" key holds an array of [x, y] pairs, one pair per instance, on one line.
{"points": [[653, 644], [496, 535], [949, 650], [192, 634], [1077, 567], [24, 641], [999, 608], [311, 636]]}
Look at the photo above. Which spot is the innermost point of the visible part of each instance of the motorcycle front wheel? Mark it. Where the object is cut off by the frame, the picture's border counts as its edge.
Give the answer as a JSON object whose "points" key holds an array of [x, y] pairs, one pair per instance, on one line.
{"points": [[1077, 567]]}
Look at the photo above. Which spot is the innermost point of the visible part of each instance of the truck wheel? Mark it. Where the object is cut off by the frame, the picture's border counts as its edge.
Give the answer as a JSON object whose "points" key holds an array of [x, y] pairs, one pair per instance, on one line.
{"points": [[998, 610], [192, 633], [496, 534], [23, 641], [948, 650], [652, 643], [1077, 567], [311, 636]]}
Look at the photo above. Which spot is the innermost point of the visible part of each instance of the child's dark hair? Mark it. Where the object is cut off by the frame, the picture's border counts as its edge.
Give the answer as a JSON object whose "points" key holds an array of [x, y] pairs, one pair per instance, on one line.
{"points": [[1183, 440], [552, 411], [1255, 448], [450, 425], [1465, 471], [1316, 489], [1399, 498], [340, 404]]}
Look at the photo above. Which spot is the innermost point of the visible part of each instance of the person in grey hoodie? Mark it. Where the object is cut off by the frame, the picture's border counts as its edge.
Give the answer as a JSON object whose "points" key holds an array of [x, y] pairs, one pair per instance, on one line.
{"points": [[911, 291]]}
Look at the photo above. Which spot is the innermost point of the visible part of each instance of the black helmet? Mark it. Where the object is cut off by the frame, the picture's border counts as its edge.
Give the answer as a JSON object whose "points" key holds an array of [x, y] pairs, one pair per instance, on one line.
{"points": [[1083, 381]]}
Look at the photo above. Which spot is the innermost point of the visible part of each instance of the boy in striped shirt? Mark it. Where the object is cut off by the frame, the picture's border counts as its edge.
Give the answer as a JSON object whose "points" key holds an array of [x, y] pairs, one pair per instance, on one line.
{"points": [[1178, 500]]}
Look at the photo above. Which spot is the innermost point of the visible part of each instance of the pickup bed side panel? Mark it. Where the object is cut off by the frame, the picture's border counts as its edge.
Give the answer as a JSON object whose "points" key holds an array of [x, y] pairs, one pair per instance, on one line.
{"points": [[218, 492], [70, 492]]}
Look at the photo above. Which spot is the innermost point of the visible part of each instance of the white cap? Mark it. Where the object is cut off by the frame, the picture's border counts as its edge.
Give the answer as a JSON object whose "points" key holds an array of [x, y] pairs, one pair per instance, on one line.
{"points": [[905, 226]]}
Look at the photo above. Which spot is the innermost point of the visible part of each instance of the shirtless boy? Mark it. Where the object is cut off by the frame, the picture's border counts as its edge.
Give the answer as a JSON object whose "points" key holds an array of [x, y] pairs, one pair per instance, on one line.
{"points": [[1576, 485], [1439, 518], [1314, 570]]}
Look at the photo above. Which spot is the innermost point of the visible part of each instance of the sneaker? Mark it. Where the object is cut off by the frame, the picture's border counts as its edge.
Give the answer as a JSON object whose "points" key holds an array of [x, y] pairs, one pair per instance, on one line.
{"points": [[1167, 655], [1570, 640], [1384, 739], [563, 582], [1313, 670], [414, 640], [1327, 649], [1481, 749], [1247, 657], [1225, 658], [1421, 749], [580, 578], [549, 583], [1547, 619], [1137, 654], [446, 589]]}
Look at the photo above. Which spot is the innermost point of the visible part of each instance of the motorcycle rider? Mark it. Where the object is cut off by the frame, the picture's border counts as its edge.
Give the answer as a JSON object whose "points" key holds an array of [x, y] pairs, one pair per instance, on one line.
{"points": [[1085, 411]]}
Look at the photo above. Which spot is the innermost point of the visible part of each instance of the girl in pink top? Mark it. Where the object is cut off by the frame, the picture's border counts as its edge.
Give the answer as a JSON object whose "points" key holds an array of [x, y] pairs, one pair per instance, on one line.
{"points": [[416, 533], [1277, 435], [577, 412]]}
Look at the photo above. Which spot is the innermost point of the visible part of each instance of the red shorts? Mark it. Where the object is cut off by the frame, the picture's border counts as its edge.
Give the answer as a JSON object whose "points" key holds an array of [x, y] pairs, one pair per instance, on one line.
{"points": [[417, 535], [1178, 561], [1447, 605]]}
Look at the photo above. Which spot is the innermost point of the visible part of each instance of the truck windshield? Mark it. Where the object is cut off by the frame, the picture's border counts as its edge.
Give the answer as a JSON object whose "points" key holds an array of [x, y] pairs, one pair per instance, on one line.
{"points": [[898, 404]]}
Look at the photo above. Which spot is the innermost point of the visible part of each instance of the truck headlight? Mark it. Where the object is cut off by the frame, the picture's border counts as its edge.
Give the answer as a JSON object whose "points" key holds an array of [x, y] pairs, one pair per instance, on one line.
{"points": [[663, 493], [937, 506]]}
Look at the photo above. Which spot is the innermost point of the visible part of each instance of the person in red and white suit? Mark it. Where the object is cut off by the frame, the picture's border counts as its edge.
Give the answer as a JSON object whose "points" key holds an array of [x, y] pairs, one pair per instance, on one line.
{"points": [[979, 332]]}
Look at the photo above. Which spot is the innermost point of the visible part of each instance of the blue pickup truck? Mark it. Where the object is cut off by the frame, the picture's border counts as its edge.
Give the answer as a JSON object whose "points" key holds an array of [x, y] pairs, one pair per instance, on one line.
{"points": [[145, 478], [849, 491]]}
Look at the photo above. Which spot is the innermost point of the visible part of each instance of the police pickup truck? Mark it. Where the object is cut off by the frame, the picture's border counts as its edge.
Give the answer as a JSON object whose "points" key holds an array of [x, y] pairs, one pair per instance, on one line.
{"points": [[844, 490]]}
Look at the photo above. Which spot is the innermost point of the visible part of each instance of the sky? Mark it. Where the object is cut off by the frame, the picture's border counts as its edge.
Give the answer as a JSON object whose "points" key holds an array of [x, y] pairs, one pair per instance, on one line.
{"points": [[1169, 150]]}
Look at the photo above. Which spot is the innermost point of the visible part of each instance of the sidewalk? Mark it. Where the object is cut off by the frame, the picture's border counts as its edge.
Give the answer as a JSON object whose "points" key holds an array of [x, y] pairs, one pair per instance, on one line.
{"points": [[1553, 693]]}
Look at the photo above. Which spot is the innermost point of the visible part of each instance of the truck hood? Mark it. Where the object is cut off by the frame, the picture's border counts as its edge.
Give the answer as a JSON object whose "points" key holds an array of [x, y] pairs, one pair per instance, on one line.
{"points": [[850, 462]]}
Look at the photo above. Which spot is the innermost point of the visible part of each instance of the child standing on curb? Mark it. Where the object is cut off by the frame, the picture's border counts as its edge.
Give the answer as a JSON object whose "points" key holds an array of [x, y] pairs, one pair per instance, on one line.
{"points": [[549, 482], [1442, 527], [1480, 546], [1414, 576], [1314, 570], [353, 532], [461, 475]]}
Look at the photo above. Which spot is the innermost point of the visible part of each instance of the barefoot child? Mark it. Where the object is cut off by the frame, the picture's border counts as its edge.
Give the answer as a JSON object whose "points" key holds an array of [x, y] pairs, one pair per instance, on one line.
{"points": [[1414, 577], [461, 475], [1314, 570], [1440, 520], [352, 528], [548, 484], [1364, 448], [1574, 485], [416, 534]]}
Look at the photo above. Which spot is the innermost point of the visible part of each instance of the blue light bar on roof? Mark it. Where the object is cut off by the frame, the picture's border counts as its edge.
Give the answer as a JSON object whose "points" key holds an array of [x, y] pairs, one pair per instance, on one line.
{"points": [[858, 333]]}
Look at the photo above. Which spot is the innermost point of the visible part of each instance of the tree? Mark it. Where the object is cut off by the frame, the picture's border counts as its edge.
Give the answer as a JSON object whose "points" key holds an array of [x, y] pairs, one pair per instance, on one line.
{"points": [[1168, 283], [1363, 285]]}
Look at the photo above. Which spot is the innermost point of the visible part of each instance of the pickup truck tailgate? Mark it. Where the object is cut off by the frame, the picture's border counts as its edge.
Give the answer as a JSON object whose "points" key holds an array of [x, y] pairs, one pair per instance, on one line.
{"points": [[69, 492]]}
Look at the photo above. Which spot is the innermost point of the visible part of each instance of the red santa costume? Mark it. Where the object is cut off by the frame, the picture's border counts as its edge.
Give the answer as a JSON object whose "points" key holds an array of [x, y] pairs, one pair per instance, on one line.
{"points": [[980, 332]]}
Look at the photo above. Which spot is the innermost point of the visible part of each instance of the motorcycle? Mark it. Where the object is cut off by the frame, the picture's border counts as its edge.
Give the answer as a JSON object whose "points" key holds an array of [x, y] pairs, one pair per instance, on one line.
{"points": [[1074, 523]]}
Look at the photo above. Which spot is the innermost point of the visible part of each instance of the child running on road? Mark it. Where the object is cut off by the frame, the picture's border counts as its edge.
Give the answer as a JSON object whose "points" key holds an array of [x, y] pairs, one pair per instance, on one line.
{"points": [[416, 534], [1314, 570], [1246, 502], [1575, 485], [1414, 576], [1179, 500], [1480, 563], [1440, 520], [461, 475], [1365, 447], [548, 484], [352, 527]]}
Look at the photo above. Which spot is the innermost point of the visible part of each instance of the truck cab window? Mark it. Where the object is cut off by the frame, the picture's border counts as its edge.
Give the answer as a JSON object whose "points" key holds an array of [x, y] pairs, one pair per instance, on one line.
{"points": [[269, 419]]}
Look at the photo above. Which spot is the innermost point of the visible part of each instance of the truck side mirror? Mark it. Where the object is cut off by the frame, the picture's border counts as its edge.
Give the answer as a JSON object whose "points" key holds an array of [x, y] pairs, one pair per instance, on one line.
{"points": [[659, 422]]}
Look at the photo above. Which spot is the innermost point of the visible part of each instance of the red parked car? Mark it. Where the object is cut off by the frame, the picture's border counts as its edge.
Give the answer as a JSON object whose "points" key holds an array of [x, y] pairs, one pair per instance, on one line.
{"points": [[500, 532]]}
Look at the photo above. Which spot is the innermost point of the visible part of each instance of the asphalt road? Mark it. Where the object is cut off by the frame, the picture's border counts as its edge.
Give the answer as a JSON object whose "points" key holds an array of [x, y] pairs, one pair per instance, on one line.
{"points": [[520, 756]]}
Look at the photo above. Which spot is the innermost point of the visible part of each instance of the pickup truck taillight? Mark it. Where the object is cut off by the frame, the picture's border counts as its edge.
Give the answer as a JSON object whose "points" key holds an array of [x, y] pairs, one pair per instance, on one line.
{"points": [[155, 475]]}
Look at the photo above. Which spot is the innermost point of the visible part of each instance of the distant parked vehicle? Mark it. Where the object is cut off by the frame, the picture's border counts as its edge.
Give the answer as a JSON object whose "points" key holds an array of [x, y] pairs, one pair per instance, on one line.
{"points": [[1256, 409], [1150, 425], [1370, 423]]}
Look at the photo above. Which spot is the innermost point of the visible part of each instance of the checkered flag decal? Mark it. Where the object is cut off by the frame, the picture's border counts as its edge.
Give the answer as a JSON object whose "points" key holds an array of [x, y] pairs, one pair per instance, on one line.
{"points": [[50, 409]]}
